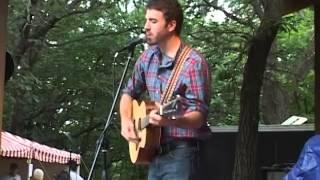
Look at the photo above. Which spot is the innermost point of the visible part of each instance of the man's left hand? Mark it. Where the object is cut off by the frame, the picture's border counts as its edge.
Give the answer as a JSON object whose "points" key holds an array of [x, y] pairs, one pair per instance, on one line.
{"points": [[158, 120]]}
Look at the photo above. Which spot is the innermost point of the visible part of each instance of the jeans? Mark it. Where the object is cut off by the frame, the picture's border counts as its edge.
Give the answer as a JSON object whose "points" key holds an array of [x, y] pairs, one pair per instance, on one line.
{"points": [[181, 163]]}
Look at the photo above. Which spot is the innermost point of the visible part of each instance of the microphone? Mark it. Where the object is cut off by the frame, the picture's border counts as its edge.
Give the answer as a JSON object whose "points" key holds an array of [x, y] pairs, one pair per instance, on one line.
{"points": [[140, 39]]}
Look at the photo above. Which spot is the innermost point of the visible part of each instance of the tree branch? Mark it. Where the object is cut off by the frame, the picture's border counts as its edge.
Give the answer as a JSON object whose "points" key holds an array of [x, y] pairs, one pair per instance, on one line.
{"points": [[53, 20], [46, 108], [91, 36], [227, 14]]}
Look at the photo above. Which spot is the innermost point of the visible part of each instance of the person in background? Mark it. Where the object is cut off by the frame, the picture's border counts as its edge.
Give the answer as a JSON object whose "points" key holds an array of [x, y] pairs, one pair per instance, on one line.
{"points": [[13, 173], [38, 174], [73, 171], [308, 165]]}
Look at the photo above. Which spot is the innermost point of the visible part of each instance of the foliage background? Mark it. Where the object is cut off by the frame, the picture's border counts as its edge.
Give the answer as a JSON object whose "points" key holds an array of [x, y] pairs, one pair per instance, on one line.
{"points": [[65, 75]]}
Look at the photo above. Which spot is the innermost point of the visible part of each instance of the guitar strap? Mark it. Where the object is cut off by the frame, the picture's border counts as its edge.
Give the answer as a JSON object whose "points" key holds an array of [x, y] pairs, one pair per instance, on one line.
{"points": [[180, 59]]}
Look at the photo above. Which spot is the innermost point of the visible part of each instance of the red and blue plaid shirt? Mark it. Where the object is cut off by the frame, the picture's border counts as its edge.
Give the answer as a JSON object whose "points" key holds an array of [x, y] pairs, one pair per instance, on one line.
{"points": [[151, 73]]}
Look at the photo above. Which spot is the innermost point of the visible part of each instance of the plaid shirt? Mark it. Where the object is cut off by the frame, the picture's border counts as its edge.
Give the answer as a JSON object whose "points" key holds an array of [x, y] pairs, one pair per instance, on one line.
{"points": [[151, 73]]}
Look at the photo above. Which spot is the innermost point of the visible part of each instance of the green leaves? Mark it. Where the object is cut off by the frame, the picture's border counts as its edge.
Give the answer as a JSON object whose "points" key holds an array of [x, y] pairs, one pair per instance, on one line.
{"points": [[65, 55]]}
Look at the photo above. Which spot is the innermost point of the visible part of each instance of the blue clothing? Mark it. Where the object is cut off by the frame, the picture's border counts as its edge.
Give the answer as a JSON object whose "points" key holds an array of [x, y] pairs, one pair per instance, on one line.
{"points": [[308, 165], [178, 164]]}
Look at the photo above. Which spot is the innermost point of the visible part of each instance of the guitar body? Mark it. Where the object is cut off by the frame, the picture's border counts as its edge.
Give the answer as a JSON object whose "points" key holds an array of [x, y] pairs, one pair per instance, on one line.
{"points": [[144, 151]]}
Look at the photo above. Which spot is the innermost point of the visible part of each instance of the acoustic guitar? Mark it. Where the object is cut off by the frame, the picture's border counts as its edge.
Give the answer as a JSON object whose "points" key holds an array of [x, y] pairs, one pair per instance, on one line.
{"points": [[149, 135]]}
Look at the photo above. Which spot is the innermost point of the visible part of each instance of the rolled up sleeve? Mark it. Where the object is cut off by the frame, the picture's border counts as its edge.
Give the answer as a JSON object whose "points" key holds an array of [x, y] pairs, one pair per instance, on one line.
{"points": [[136, 84], [198, 91]]}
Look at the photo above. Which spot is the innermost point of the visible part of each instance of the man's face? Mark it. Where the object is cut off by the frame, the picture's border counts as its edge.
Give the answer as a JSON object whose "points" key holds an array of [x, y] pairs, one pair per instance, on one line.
{"points": [[156, 27]]}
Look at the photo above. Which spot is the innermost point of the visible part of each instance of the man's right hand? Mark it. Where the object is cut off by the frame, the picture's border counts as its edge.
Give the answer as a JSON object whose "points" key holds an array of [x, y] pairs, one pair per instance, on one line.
{"points": [[128, 130]]}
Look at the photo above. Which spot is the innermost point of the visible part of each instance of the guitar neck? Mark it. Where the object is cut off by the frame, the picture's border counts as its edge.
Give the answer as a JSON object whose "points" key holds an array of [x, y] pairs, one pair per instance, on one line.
{"points": [[162, 111], [167, 110], [144, 122]]}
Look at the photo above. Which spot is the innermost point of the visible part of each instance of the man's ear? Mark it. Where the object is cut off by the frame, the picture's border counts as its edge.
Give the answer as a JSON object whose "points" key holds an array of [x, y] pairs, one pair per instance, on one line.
{"points": [[172, 25]]}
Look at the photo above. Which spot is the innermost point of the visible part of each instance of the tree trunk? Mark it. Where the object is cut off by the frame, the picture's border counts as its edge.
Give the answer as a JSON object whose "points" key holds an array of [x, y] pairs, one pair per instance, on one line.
{"points": [[305, 62], [275, 99], [245, 157], [274, 102]]}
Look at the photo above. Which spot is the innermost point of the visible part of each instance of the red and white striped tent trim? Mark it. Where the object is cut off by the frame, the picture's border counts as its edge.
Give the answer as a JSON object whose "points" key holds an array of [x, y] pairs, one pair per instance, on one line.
{"points": [[18, 147]]}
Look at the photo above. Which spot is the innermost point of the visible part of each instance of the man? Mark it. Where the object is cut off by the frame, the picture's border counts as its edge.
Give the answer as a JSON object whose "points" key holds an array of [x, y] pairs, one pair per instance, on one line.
{"points": [[38, 174], [178, 158], [13, 173], [73, 171], [308, 165]]}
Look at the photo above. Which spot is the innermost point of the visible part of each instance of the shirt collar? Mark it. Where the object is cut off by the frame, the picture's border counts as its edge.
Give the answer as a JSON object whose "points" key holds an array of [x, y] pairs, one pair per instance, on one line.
{"points": [[166, 61]]}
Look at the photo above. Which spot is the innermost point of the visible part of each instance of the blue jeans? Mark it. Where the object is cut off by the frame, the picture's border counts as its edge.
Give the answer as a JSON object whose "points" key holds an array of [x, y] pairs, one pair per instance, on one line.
{"points": [[181, 163]]}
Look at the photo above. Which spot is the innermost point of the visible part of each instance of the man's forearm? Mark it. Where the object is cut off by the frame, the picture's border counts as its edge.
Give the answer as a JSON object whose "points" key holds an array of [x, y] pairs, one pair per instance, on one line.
{"points": [[125, 107], [193, 119]]}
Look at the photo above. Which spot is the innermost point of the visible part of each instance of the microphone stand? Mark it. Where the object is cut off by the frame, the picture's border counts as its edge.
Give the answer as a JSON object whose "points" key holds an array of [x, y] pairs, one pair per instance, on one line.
{"points": [[101, 137]]}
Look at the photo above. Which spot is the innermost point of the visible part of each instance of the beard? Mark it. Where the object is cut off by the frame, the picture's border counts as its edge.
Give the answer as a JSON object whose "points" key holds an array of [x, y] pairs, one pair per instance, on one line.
{"points": [[158, 38]]}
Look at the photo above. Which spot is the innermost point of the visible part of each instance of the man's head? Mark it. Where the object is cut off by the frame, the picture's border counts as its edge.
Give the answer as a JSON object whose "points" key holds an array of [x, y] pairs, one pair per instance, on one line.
{"points": [[163, 18], [37, 174], [73, 165]]}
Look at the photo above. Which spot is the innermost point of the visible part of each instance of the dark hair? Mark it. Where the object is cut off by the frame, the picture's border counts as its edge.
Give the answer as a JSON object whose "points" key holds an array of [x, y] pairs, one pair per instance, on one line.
{"points": [[171, 10], [13, 166], [73, 165]]}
